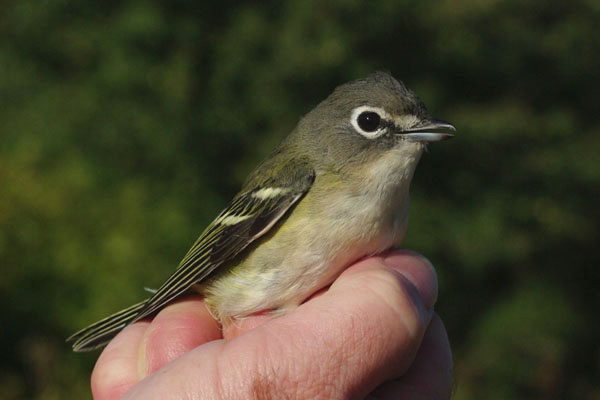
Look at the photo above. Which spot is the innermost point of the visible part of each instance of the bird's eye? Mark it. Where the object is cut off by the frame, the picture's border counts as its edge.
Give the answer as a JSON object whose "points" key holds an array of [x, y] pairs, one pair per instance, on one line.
{"points": [[368, 121]]}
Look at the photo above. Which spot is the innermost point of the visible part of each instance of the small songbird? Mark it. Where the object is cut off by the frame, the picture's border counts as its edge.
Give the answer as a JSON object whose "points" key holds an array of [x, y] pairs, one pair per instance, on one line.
{"points": [[335, 190]]}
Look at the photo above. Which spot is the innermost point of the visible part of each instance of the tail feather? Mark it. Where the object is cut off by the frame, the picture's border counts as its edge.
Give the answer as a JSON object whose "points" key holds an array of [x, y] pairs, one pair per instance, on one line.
{"points": [[101, 332]]}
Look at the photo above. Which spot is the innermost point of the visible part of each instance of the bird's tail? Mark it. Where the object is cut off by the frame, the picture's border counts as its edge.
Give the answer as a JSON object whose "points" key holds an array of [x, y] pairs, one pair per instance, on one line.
{"points": [[101, 332]]}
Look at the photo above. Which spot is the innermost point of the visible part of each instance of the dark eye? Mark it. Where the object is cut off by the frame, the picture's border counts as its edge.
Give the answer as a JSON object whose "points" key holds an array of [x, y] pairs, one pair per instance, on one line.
{"points": [[368, 121]]}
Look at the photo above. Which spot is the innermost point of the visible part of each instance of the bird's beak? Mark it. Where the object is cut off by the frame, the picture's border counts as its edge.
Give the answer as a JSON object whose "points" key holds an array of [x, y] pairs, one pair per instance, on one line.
{"points": [[430, 130]]}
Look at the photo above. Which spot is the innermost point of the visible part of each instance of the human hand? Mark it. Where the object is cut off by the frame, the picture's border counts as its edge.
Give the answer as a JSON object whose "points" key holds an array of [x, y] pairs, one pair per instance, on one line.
{"points": [[372, 333]]}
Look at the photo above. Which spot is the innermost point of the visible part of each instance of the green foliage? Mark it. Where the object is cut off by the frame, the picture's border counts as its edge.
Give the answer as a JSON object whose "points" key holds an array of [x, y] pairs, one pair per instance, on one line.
{"points": [[127, 125]]}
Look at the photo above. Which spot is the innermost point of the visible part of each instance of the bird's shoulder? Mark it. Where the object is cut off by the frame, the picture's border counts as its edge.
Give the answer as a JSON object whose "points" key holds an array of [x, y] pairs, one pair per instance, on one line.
{"points": [[280, 171]]}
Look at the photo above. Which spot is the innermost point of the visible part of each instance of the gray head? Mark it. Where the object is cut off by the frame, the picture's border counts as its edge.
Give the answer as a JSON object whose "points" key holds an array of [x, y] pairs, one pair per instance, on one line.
{"points": [[364, 118]]}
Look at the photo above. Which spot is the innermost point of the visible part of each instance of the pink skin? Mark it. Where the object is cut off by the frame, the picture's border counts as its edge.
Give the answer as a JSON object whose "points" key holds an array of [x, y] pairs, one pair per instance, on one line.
{"points": [[373, 333]]}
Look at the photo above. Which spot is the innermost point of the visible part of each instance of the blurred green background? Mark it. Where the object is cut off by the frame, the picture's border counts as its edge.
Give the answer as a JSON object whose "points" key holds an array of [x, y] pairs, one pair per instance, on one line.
{"points": [[125, 126]]}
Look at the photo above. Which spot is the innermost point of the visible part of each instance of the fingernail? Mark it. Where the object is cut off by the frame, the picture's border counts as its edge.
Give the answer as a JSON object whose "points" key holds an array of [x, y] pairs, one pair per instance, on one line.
{"points": [[417, 270], [142, 361]]}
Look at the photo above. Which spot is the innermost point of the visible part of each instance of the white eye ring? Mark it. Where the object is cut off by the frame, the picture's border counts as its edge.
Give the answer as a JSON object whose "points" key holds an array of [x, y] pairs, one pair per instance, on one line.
{"points": [[365, 109]]}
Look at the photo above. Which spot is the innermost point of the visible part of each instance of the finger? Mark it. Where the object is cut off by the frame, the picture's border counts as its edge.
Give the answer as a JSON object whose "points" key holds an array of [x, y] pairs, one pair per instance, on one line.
{"points": [[431, 374], [243, 325], [176, 329], [365, 329], [418, 270], [144, 347], [385, 304], [238, 327], [116, 370]]}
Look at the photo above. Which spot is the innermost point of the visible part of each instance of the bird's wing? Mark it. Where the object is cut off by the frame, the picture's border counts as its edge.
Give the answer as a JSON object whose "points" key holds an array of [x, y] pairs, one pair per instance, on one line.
{"points": [[249, 215]]}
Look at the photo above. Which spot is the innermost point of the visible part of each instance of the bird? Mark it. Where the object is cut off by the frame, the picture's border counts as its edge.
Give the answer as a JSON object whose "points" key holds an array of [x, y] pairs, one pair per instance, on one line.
{"points": [[335, 190]]}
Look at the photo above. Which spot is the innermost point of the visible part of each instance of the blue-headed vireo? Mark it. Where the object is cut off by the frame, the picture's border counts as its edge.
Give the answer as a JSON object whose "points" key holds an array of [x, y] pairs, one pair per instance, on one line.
{"points": [[335, 190]]}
